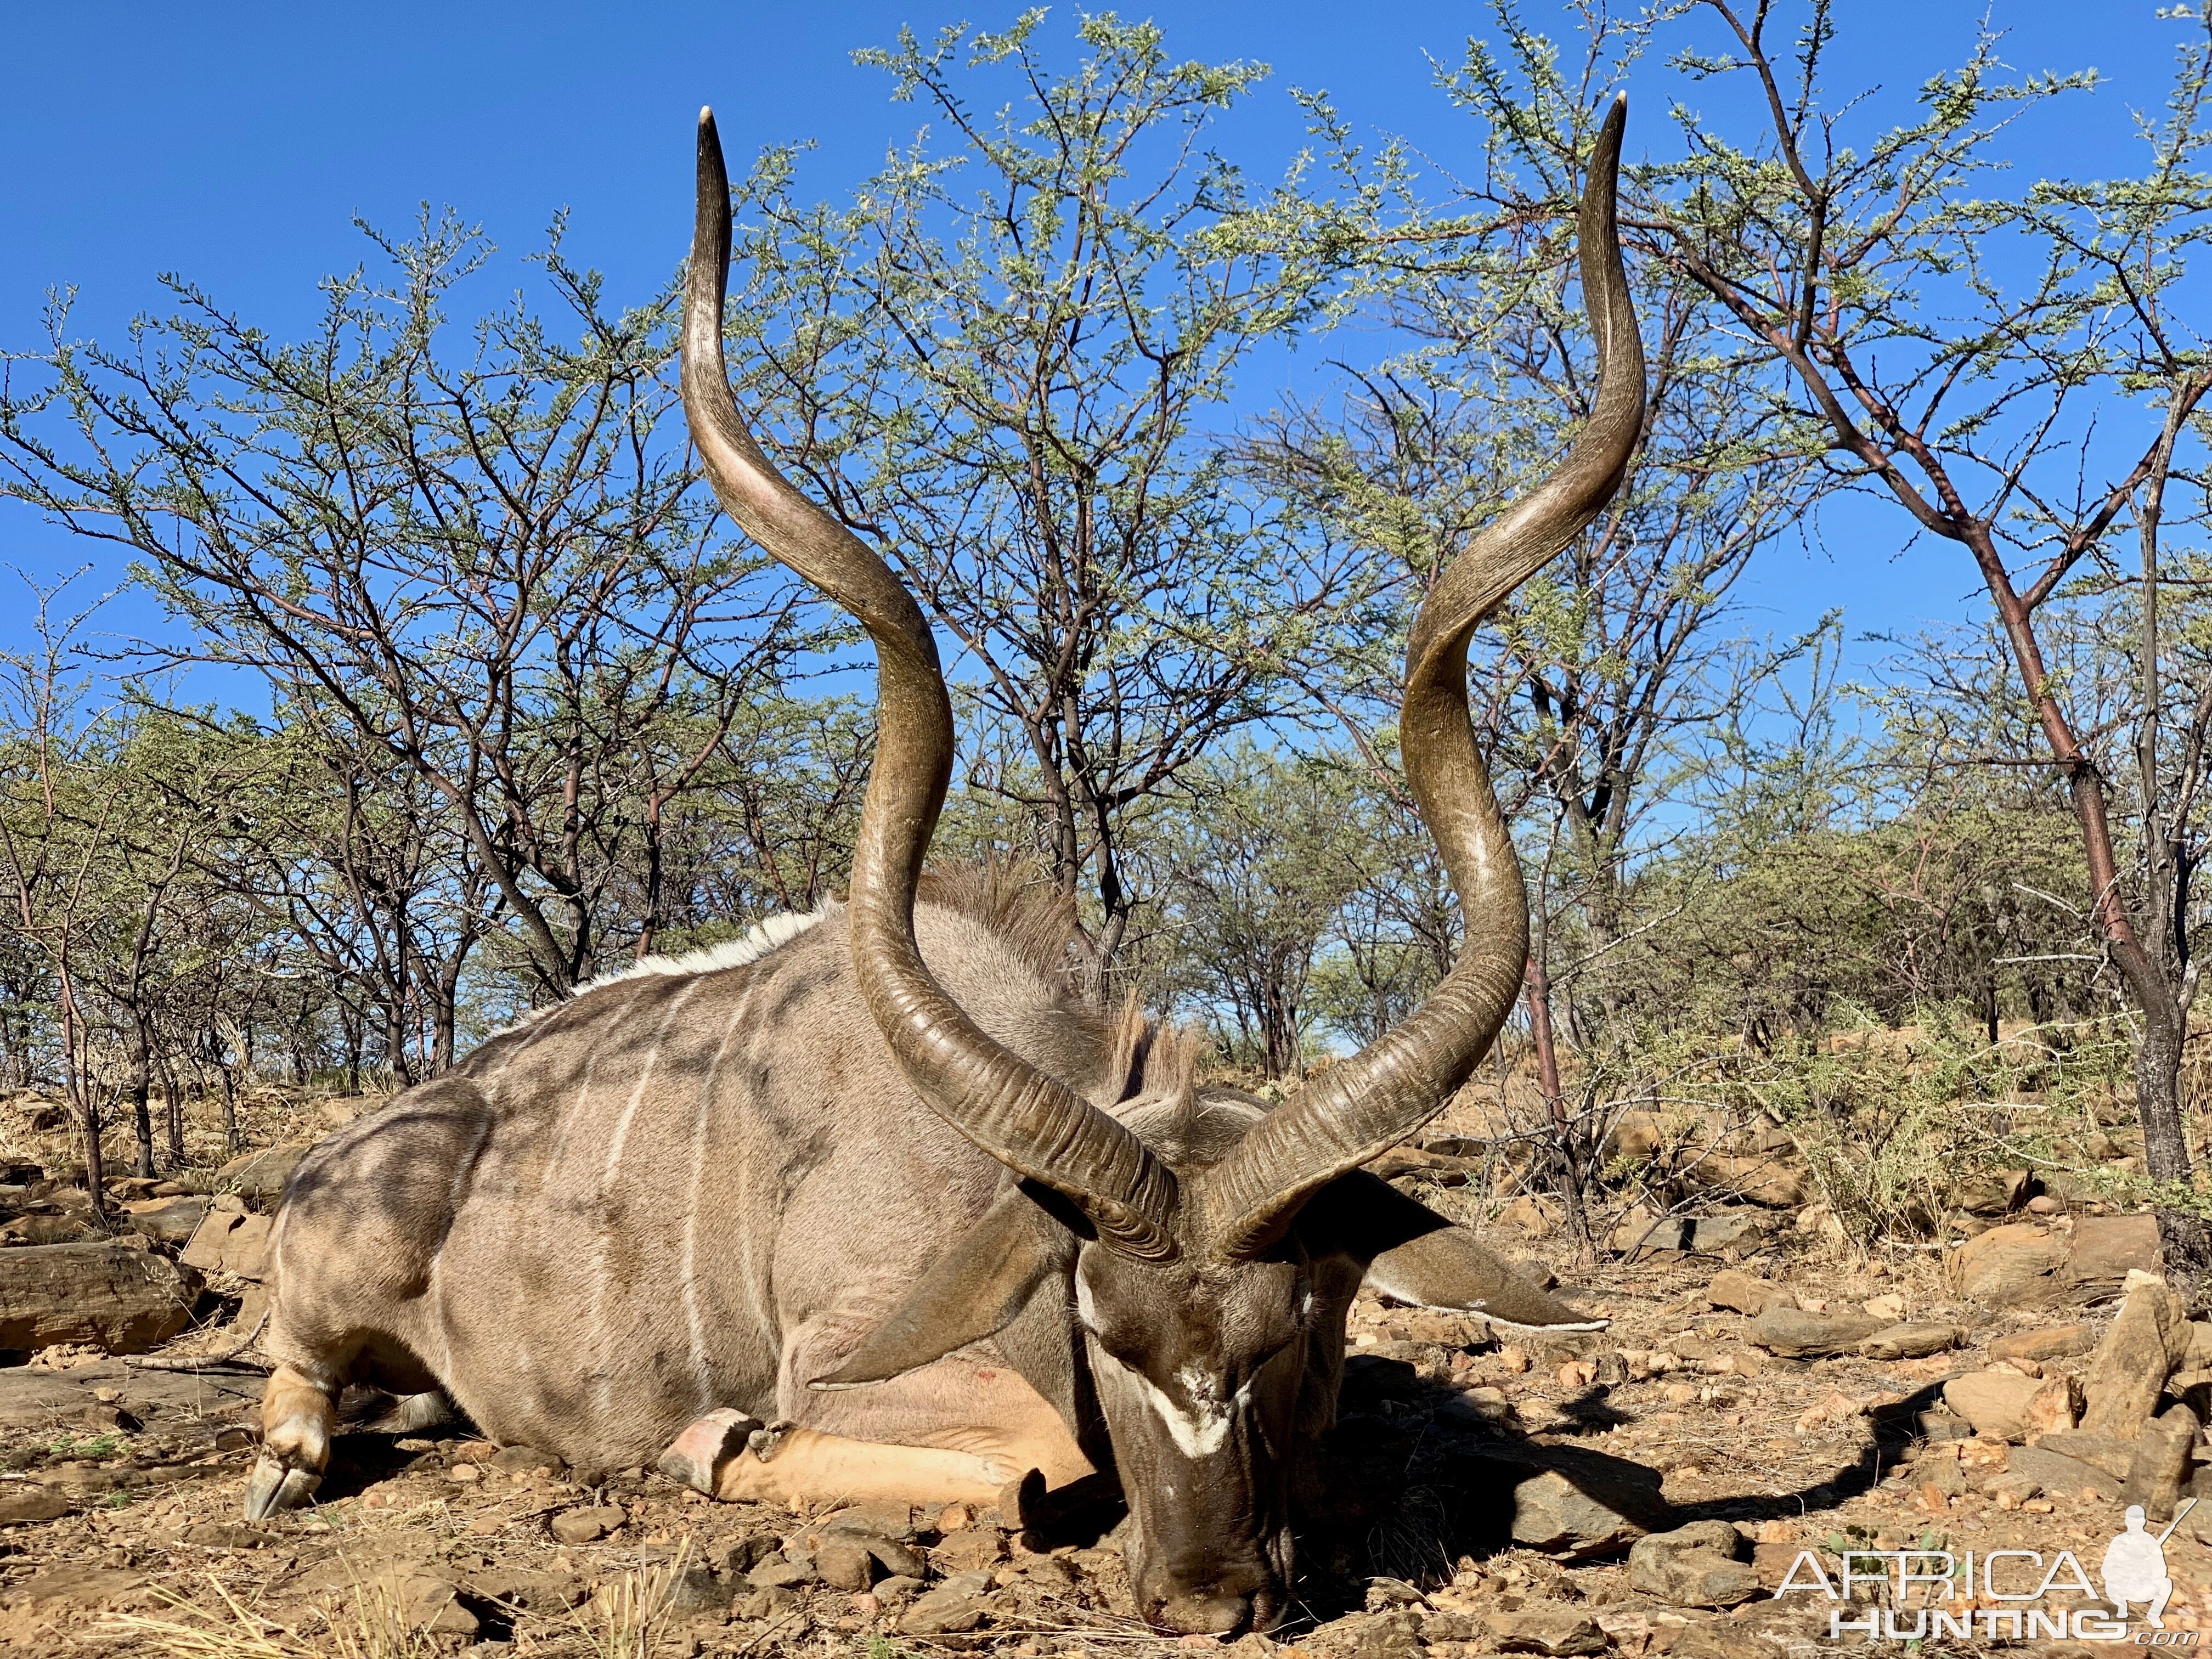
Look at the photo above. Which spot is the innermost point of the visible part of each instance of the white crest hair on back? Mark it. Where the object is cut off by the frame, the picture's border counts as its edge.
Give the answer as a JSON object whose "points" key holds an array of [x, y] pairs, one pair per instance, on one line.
{"points": [[756, 942]]}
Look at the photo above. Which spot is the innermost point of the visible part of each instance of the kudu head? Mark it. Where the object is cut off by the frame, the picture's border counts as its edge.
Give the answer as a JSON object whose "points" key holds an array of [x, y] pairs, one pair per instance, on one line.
{"points": [[1210, 1247]]}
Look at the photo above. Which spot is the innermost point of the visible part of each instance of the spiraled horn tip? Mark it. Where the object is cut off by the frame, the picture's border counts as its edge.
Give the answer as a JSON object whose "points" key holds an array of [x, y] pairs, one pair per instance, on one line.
{"points": [[706, 118]]}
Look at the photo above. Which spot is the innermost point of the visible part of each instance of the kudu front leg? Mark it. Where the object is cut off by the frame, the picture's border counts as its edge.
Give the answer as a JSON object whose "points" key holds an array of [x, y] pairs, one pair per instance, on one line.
{"points": [[809, 1465], [298, 1417]]}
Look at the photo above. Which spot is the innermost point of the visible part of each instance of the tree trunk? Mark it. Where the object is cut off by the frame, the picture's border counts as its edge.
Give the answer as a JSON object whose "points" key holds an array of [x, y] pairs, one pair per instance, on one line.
{"points": [[173, 1099], [79, 1085], [443, 1020], [446, 1000], [2165, 1142], [142, 1123], [1565, 1153], [351, 1026], [395, 1040], [230, 1141], [96, 1163], [1279, 1030]]}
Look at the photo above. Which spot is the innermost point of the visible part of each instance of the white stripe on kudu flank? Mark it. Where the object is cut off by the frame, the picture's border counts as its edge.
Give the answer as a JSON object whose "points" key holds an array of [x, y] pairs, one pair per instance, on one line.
{"points": [[697, 1324], [645, 1076], [601, 1240], [575, 1109]]}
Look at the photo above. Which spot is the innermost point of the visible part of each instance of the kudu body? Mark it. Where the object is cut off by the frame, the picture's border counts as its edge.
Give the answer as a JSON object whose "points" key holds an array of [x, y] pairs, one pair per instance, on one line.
{"points": [[732, 1183]]}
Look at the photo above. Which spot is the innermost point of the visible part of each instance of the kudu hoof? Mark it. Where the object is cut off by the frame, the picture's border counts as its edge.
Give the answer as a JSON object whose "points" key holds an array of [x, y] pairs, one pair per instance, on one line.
{"points": [[272, 1487]]}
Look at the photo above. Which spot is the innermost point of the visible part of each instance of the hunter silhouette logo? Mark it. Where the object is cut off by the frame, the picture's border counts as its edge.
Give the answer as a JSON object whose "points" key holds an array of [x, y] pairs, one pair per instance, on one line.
{"points": [[2134, 1567], [2001, 1591]]}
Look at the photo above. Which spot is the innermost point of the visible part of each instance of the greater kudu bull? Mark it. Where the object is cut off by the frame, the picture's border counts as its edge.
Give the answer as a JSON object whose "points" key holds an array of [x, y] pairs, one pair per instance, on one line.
{"points": [[729, 1181]]}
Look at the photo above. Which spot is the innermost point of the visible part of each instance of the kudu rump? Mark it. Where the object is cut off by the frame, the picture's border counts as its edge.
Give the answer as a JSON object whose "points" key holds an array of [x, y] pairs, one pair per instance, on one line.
{"points": [[884, 1178]]}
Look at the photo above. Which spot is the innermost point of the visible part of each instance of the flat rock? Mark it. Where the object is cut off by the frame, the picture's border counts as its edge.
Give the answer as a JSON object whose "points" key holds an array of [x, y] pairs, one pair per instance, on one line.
{"points": [[224, 1535], [532, 1592], [20, 1501], [1761, 1178], [1699, 1565], [1996, 1403], [1448, 1330], [1996, 1194], [1796, 1335], [783, 1571], [246, 1248], [586, 1526], [260, 1176], [2112, 1456], [2106, 1248], [695, 1591], [1565, 1500], [1740, 1292], [1438, 1169], [741, 1557], [959, 1604], [81, 1481], [430, 1601], [891, 1520], [2009, 1266], [166, 1220], [1711, 1234], [203, 1249], [50, 1228], [32, 1398], [898, 1561], [1392, 1633], [970, 1549], [2055, 1473], [1545, 1630], [2049, 1342], [1907, 1340], [109, 1295]]}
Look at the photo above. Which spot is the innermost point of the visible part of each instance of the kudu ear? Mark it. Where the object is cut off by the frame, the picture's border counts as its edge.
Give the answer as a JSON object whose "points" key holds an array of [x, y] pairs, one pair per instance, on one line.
{"points": [[975, 1288], [1413, 1255]]}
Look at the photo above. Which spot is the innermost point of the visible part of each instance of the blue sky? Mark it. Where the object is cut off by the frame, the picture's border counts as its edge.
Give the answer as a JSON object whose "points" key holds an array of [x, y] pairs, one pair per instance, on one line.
{"points": [[234, 144]]}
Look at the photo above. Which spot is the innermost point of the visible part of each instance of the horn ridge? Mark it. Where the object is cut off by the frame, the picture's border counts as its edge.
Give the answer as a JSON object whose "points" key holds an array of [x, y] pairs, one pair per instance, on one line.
{"points": [[1028, 1121], [1358, 1109]]}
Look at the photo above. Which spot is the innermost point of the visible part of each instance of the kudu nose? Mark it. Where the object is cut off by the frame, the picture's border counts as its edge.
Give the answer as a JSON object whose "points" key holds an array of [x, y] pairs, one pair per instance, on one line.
{"points": [[1203, 1614]]}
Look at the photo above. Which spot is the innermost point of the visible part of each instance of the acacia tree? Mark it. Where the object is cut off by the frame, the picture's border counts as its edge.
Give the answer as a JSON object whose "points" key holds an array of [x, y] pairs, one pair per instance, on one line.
{"points": [[1000, 364], [2010, 373], [1879, 288], [486, 565], [1606, 675], [58, 803], [1258, 866]]}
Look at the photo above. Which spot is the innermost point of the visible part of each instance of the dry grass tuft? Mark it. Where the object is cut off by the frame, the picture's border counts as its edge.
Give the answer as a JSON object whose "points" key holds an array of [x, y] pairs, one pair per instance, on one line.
{"points": [[371, 1625], [630, 1618]]}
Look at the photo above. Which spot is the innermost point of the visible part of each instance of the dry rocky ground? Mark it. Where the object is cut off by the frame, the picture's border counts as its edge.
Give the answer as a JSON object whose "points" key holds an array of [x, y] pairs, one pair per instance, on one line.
{"points": [[1641, 1491]]}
